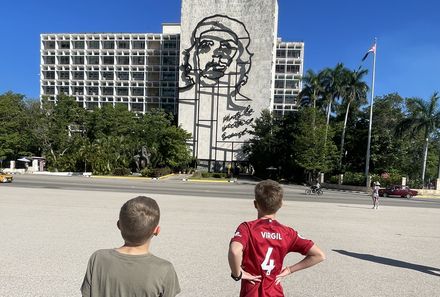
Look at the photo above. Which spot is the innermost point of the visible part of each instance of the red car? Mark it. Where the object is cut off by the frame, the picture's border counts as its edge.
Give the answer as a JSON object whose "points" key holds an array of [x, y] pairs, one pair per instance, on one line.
{"points": [[397, 190]]}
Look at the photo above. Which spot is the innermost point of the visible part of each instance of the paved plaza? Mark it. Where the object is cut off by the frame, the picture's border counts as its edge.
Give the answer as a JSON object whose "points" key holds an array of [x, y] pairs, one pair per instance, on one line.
{"points": [[47, 236]]}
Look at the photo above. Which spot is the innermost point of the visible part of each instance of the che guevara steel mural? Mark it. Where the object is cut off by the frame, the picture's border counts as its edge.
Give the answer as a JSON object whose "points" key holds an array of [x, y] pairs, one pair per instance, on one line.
{"points": [[215, 68]]}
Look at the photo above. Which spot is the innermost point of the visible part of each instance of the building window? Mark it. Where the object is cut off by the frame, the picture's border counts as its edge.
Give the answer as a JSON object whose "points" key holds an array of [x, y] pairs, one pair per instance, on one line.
{"points": [[63, 75], [123, 45], [290, 99], [169, 76], [78, 90], [78, 44], [293, 53], [49, 60], [65, 60], [107, 91], [78, 60], [64, 44], [108, 45], [137, 91], [122, 91], [49, 74], [123, 60], [122, 75], [279, 84], [278, 99], [49, 90], [107, 75], [108, 60], [93, 75], [92, 90], [78, 75], [63, 90], [292, 68], [169, 61], [137, 107], [137, 75], [281, 54], [291, 84], [280, 68], [138, 60], [169, 44], [93, 60], [168, 92], [93, 44], [49, 44], [138, 44]]}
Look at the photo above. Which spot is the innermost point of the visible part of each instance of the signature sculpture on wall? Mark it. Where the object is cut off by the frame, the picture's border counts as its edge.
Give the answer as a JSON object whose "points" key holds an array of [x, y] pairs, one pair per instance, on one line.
{"points": [[216, 67]]}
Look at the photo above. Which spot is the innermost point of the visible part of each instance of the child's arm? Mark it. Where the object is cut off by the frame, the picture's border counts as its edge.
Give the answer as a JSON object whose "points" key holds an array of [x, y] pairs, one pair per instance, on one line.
{"points": [[235, 257], [313, 257]]}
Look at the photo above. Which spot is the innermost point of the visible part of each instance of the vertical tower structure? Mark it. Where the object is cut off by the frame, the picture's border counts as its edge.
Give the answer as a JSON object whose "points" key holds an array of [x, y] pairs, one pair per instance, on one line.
{"points": [[226, 76]]}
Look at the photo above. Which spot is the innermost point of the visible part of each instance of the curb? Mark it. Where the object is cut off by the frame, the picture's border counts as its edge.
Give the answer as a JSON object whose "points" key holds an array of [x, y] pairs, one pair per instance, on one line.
{"points": [[207, 180]]}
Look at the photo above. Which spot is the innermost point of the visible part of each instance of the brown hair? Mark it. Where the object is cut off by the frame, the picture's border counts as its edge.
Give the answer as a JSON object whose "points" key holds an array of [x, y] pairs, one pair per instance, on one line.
{"points": [[269, 196], [138, 218]]}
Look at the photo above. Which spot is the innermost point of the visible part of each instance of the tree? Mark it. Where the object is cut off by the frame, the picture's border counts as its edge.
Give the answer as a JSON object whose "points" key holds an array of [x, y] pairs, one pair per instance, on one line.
{"points": [[311, 153], [312, 91], [354, 91], [424, 116], [14, 136]]}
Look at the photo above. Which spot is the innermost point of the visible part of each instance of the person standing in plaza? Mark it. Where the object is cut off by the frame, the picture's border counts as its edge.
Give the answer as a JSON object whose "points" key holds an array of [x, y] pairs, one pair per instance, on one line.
{"points": [[132, 270], [375, 195], [258, 248]]}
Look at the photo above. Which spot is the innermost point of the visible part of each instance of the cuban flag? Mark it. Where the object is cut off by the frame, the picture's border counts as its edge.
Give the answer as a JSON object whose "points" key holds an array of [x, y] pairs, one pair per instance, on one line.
{"points": [[371, 50]]}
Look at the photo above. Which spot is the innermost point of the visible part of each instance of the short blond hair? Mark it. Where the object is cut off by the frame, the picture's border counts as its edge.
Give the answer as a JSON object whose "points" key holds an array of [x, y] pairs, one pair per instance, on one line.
{"points": [[138, 218], [269, 196]]}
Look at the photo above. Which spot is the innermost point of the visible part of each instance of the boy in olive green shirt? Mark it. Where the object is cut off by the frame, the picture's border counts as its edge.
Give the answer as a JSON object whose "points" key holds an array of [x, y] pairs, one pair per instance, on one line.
{"points": [[132, 270]]}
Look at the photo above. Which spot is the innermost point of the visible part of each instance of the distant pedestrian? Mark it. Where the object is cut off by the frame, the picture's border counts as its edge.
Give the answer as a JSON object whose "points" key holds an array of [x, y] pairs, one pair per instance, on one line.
{"points": [[132, 270], [258, 248], [375, 195]]}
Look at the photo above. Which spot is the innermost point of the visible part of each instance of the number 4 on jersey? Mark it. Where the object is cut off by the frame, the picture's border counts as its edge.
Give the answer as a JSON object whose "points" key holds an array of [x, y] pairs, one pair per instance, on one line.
{"points": [[268, 264]]}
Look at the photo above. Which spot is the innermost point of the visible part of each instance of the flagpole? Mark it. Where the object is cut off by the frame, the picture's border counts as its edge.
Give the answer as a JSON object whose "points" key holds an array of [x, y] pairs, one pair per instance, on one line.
{"points": [[367, 162]]}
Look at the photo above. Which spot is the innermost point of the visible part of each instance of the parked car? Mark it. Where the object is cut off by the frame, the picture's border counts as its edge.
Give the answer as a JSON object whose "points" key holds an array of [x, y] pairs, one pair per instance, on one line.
{"points": [[5, 177], [397, 190]]}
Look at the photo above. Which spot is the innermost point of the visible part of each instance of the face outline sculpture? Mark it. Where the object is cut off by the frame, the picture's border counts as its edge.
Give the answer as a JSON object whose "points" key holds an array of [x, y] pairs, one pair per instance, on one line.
{"points": [[219, 48], [215, 52]]}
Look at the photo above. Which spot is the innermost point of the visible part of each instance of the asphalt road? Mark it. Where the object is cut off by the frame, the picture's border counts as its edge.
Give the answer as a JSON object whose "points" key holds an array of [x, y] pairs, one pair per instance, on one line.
{"points": [[175, 186]]}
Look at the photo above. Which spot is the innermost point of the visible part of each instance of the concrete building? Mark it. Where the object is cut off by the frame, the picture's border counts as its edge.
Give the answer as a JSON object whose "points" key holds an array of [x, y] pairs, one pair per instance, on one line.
{"points": [[288, 73], [137, 70], [228, 50]]}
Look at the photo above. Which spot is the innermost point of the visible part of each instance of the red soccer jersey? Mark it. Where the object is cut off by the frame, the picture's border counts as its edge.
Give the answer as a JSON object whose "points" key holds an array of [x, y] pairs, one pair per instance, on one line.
{"points": [[265, 244]]}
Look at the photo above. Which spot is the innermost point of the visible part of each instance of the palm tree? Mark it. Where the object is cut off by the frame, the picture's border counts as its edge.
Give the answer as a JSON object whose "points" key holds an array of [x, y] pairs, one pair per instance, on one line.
{"points": [[354, 90], [424, 116], [333, 88], [312, 91]]}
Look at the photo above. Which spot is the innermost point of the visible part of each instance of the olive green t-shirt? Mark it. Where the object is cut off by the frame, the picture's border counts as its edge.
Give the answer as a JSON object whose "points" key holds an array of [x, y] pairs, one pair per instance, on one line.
{"points": [[112, 274]]}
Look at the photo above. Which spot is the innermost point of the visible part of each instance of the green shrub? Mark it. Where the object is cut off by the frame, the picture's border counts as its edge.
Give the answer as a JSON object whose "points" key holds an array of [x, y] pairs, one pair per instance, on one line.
{"points": [[354, 179], [121, 171], [146, 171], [219, 175], [206, 174]]}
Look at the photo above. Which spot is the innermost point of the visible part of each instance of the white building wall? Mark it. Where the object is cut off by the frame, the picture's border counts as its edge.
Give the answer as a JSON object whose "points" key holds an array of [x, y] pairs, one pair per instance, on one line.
{"points": [[218, 104]]}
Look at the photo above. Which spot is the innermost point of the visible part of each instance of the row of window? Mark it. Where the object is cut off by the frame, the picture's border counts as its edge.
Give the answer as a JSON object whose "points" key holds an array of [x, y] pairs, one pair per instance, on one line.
{"points": [[109, 75], [110, 44], [286, 84], [110, 91], [282, 53], [287, 68], [111, 60], [288, 99]]}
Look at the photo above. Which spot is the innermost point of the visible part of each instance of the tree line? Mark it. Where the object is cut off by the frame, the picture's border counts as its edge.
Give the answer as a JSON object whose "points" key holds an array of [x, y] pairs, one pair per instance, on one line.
{"points": [[103, 141], [329, 133]]}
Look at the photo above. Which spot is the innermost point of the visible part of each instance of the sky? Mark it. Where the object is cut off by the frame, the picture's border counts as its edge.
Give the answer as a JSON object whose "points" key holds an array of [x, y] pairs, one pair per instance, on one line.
{"points": [[408, 33]]}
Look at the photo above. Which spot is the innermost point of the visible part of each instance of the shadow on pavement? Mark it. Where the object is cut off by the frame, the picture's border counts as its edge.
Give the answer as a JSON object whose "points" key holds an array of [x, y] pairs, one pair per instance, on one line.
{"points": [[392, 262]]}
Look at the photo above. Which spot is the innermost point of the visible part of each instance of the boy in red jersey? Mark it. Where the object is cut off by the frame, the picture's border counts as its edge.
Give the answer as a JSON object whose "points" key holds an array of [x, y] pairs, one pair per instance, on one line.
{"points": [[258, 248]]}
